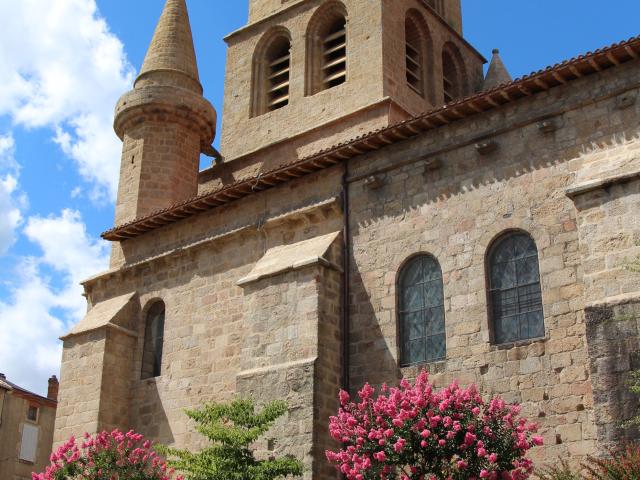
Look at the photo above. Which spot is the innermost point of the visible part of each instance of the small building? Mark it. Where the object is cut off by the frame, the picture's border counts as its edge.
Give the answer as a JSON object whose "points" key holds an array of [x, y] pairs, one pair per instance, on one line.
{"points": [[26, 429]]}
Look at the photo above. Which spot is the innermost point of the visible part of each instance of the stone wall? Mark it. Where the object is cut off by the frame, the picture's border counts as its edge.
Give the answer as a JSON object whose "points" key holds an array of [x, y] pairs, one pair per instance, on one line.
{"points": [[364, 86], [607, 197], [375, 77], [159, 168], [394, 63], [81, 383], [95, 378], [454, 213], [194, 268], [613, 337], [261, 9], [291, 351]]}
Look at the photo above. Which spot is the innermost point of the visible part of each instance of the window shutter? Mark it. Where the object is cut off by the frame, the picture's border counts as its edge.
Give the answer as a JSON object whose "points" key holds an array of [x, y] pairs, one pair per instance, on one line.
{"points": [[278, 81], [334, 58], [29, 443]]}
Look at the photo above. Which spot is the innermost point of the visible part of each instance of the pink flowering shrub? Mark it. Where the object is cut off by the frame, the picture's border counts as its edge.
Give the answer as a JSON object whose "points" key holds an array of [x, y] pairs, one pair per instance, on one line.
{"points": [[416, 433], [107, 456]]}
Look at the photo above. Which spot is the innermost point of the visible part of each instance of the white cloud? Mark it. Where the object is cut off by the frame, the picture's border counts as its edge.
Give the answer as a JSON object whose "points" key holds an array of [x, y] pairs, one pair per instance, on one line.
{"points": [[63, 69], [10, 199], [39, 311]]}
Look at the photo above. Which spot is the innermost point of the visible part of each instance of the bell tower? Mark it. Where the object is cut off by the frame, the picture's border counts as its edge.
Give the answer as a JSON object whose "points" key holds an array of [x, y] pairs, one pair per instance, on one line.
{"points": [[303, 75], [164, 122]]}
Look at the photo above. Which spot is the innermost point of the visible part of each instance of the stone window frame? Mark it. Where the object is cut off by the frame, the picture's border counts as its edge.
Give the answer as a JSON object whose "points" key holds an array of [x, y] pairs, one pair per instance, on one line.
{"points": [[493, 244], [37, 409], [153, 371], [455, 75], [425, 46], [399, 317], [328, 13], [260, 81]]}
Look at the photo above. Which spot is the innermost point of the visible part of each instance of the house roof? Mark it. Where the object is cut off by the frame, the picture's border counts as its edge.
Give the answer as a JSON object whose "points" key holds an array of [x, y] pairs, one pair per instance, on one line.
{"points": [[7, 385], [543, 80]]}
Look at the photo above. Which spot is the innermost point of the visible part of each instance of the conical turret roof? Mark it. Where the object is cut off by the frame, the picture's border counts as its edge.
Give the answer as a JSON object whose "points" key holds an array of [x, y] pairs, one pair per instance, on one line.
{"points": [[497, 74], [171, 58]]}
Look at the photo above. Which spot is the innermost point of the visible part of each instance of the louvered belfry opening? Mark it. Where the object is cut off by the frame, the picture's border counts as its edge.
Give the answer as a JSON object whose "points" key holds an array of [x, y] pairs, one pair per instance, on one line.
{"points": [[334, 54], [278, 73], [414, 57], [437, 5], [449, 78]]}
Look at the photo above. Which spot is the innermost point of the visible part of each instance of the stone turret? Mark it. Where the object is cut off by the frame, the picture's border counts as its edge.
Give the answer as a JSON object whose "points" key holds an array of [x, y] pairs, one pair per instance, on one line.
{"points": [[164, 122], [497, 73]]}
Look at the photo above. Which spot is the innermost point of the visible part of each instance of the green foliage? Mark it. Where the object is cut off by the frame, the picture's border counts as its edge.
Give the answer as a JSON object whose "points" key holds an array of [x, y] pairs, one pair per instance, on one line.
{"points": [[231, 429], [558, 472], [634, 381], [621, 465], [634, 387]]}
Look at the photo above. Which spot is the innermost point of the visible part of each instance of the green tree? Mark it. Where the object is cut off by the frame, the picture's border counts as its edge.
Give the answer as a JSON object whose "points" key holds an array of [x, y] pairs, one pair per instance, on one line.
{"points": [[634, 381], [232, 428]]}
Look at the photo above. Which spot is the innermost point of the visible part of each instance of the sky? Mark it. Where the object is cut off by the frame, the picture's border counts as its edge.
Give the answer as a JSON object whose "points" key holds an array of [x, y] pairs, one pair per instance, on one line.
{"points": [[64, 64]]}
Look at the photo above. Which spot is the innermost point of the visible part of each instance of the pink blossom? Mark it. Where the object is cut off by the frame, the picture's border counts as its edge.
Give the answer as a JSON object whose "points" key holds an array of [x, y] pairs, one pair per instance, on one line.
{"points": [[120, 451], [398, 421], [537, 441]]}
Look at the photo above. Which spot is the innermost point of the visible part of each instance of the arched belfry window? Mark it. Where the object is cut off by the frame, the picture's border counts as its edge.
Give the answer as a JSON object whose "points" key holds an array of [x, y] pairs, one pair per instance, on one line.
{"points": [[421, 311], [327, 48], [514, 289], [414, 55], [153, 341], [453, 73], [271, 73]]}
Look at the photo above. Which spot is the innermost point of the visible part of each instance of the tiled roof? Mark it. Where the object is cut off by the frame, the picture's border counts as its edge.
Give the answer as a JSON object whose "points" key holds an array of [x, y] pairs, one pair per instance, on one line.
{"points": [[6, 384], [526, 86]]}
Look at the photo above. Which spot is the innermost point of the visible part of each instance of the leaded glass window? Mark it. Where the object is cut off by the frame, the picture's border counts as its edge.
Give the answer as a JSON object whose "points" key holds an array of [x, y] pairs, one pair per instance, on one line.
{"points": [[421, 311], [514, 289], [153, 341]]}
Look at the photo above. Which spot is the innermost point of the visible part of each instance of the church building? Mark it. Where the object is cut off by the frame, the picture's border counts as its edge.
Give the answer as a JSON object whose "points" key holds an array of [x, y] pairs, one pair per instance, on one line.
{"points": [[378, 206]]}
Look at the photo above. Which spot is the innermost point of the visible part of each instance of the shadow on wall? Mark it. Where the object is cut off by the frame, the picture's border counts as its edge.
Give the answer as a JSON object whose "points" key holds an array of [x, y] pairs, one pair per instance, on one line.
{"points": [[613, 338], [151, 419], [483, 152], [368, 345]]}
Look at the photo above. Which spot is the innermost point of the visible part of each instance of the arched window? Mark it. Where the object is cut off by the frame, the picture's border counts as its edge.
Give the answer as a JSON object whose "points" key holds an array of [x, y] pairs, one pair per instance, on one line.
{"points": [[272, 69], [514, 289], [153, 341], [414, 54], [453, 73], [421, 311], [327, 48]]}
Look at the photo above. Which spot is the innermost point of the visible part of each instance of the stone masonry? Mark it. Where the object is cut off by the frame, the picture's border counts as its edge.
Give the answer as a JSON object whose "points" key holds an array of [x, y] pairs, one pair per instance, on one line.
{"points": [[279, 266]]}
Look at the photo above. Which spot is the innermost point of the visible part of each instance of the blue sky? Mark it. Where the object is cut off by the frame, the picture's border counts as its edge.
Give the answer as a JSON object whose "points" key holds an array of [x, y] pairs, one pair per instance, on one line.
{"points": [[64, 63]]}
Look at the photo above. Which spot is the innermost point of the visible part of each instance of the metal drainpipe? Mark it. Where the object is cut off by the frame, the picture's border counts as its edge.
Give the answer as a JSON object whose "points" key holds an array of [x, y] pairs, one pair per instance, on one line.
{"points": [[346, 324]]}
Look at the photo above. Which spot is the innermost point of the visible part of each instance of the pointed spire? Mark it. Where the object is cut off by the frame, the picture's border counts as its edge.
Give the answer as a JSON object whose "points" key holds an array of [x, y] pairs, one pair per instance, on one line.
{"points": [[171, 58], [497, 74]]}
